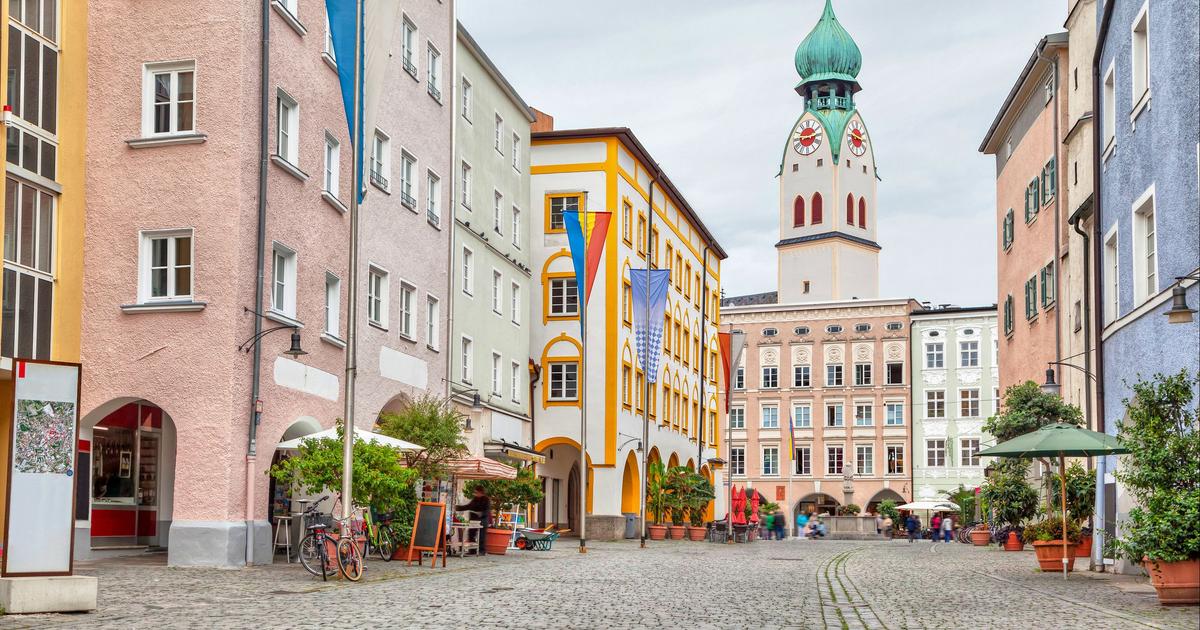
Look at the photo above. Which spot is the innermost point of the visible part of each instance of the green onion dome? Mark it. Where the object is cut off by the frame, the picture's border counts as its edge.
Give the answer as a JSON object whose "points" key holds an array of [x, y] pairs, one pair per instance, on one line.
{"points": [[828, 53]]}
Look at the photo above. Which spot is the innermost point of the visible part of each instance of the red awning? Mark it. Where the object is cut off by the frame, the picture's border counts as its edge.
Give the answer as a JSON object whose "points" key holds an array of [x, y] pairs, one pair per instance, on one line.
{"points": [[480, 468]]}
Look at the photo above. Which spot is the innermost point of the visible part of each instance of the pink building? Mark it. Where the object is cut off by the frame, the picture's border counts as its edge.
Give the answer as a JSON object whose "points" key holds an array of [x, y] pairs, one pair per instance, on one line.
{"points": [[174, 114]]}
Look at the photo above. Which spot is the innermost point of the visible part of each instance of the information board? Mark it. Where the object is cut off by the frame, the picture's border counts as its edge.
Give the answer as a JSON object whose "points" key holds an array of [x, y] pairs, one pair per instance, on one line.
{"points": [[428, 532], [39, 530]]}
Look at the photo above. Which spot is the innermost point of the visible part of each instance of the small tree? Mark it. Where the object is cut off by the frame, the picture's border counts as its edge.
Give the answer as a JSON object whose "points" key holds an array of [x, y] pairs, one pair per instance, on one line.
{"points": [[887, 508], [964, 498], [507, 494], [1012, 498], [678, 484], [702, 492], [1081, 493], [850, 509], [1027, 408], [656, 492], [432, 423]]}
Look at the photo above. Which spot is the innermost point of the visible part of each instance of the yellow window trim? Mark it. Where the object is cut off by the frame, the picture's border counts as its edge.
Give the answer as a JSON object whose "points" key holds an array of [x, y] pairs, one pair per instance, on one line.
{"points": [[580, 195]]}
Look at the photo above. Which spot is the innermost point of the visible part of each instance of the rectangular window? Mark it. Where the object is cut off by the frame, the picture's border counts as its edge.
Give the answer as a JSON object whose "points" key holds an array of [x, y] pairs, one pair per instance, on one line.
{"points": [[1145, 250], [969, 455], [1007, 230], [737, 418], [514, 380], [737, 461], [166, 267], [497, 293], [432, 322], [408, 315], [935, 453], [1008, 315], [28, 302], [1049, 180], [935, 404], [283, 281], [559, 205], [833, 460], [564, 297], [895, 460], [834, 415], [435, 74], [465, 193], [935, 355], [1031, 306], [802, 416], [770, 461], [627, 222], [864, 460], [466, 358], [468, 271], [895, 414], [433, 188], [497, 377], [333, 151], [1046, 276], [770, 417], [895, 373], [168, 99], [498, 134], [497, 213], [1108, 109], [333, 304], [514, 303], [803, 460], [1140, 59], [801, 376], [770, 377], [968, 401], [1033, 200], [41, 17], [864, 415], [968, 354], [1112, 284], [564, 381], [467, 97], [739, 378], [516, 152], [516, 227], [408, 48], [377, 287], [833, 375], [408, 187], [287, 140], [862, 373], [381, 160]]}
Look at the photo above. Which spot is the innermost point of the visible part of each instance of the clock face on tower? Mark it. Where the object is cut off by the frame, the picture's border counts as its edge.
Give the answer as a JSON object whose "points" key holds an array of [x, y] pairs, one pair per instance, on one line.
{"points": [[807, 138], [856, 137]]}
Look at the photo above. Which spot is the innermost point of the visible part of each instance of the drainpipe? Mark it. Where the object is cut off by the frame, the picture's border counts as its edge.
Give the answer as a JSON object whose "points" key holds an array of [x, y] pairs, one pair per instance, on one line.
{"points": [[450, 215], [1098, 519], [703, 360], [259, 272], [1075, 220]]}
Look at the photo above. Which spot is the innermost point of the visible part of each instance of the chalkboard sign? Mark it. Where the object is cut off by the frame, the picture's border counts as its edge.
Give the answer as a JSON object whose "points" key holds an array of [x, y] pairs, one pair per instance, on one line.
{"points": [[428, 533]]}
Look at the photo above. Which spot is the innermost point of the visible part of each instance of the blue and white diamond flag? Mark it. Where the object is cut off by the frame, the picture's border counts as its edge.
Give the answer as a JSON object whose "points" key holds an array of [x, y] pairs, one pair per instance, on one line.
{"points": [[650, 287]]}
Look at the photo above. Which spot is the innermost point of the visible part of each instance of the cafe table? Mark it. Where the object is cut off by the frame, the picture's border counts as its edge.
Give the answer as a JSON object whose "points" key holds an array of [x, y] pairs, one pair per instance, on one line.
{"points": [[460, 538]]}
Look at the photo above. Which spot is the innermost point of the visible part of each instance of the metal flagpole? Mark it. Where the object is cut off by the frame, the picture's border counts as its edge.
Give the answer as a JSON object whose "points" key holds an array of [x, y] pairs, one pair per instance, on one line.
{"points": [[729, 444], [645, 358], [352, 307], [581, 293]]}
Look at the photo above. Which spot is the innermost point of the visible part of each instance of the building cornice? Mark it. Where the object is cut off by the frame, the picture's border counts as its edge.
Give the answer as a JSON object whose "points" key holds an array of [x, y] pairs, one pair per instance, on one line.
{"points": [[857, 240]]}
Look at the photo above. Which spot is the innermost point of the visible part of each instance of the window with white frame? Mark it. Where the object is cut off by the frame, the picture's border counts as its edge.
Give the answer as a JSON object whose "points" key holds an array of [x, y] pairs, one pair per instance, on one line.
{"points": [[564, 380], [935, 404], [802, 416], [408, 47], [894, 414], [283, 281], [834, 415], [969, 452], [1108, 108], [497, 293], [381, 160], [801, 376], [862, 374], [834, 460], [737, 418], [864, 415], [433, 188], [514, 303], [329, 182], [291, 6], [465, 181], [498, 134], [514, 382], [168, 98], [968, 402], [433, 325], [408, 186], [739, 377], [770, 461], [895, 459], [516, 152], [864, 460], [770, 377], [803, 460], [466, 358], [737, 461], [1145, 261], [468, 271], [935, 355], [287, 139], [968, 354], [497, 376], [516, 227], [29, 238], [166, 260], [833, 375], [894, 373], [770, 417], [935, 453], [564, 297], [1111, 278], [467, 99], [435, 73], [377, 296], [497, 212], [329, 50], [408, 315], [333, 304], [1140, 58]]}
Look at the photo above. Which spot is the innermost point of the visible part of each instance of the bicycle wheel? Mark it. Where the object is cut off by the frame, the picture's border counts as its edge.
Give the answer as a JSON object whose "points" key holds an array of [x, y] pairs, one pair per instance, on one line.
{"points": [[350, 559], [385, 545], [312, 555]]}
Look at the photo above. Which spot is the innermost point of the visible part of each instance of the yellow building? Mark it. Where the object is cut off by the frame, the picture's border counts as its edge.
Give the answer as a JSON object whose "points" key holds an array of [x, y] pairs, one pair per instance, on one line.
{"points": [[609, 170]]}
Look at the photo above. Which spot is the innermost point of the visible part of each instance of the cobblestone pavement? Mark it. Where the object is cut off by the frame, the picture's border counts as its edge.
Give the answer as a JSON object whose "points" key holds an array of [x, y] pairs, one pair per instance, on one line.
{"points": [[767, 584]]}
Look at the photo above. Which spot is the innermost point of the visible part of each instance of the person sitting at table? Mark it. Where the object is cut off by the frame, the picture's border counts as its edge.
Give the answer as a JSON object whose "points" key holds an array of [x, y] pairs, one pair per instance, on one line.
{"points": [[480, 507]]}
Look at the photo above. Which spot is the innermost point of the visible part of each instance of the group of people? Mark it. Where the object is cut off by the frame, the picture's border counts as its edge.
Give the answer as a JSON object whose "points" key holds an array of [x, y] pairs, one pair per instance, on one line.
{"points": [[939, 527], [774, 526]]}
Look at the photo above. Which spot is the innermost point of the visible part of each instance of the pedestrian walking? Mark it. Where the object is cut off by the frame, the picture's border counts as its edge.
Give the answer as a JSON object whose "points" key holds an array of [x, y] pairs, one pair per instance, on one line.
{"points": [[947, 528], [887, 527], [780, 525], [801, 525], [768, 526], [913, 526], [935, 527], [878, 524]]}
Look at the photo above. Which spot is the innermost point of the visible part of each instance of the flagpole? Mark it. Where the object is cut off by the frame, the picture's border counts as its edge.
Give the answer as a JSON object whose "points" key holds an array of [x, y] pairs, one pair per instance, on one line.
{"points": [[352, 307], [645, 359], [582, 294]]}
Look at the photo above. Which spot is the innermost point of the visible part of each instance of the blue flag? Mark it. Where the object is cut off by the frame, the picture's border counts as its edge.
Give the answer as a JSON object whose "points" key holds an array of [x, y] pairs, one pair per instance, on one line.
{"points": [[649, 288]]}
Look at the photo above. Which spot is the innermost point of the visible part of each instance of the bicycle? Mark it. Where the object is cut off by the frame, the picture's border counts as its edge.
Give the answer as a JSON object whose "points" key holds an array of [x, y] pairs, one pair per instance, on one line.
{"points": [[378, 535], [315, 546]]}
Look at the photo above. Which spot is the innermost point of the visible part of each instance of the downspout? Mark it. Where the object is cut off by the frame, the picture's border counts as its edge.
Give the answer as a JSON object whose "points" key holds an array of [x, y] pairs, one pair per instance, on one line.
{"points": [[1098, 520], [703, 360], [259, 272], [1075, 220], [453, 210]]}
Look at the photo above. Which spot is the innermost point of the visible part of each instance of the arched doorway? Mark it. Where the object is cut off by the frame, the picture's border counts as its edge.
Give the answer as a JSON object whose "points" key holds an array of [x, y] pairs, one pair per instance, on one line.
{"points": [[279, 497], [884, 495], [631, 486], [709, 512], [673, 461], [560, 483], [130, 449], [816, 503], [573, 499], [691, 464]]}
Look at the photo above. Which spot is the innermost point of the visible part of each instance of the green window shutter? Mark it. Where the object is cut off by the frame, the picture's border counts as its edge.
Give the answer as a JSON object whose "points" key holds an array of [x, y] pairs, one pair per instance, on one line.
{"points": [[1008, 314], [1048, 285], [1031, 298], [1051, 178]]}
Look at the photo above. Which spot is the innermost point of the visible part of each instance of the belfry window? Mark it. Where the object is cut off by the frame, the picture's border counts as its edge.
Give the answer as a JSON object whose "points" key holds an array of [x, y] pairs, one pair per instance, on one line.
{"points": [[798, 212], [850, 209], [816, 208], [862, 213]]}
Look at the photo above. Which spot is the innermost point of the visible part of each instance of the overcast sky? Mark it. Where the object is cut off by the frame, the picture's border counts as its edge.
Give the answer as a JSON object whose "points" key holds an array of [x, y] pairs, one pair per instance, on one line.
{"points": [[707, 87]]}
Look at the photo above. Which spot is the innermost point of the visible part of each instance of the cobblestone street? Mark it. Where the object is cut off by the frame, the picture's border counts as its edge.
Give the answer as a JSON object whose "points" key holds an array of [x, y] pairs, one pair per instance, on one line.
{"points": [[790, 584]]}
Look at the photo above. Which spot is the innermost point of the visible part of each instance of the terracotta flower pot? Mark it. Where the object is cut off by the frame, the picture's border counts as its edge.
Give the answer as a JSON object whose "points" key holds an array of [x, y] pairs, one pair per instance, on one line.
{"points": [[1084, 548], [496, 540], [401, 553], [1177, 583], [696, 533], [1013, 543], [677, 532], [980, 536], [657, 532], [1050, 555]]}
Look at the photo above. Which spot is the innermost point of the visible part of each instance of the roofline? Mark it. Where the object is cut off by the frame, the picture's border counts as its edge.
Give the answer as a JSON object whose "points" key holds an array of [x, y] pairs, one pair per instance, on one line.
{"points": [[866, 242], [799, 306], [1053, 40], [475, 49], [626, 136], [958, 310]]}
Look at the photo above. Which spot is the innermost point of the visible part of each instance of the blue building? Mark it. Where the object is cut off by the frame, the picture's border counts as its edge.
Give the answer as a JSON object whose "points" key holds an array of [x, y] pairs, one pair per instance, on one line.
{"points": [[1147, 228]]}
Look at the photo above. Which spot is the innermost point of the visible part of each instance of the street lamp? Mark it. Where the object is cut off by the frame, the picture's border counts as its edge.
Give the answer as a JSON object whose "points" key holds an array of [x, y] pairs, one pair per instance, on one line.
{"points": [[1051, 387], [293, 351], [1179, 313]]}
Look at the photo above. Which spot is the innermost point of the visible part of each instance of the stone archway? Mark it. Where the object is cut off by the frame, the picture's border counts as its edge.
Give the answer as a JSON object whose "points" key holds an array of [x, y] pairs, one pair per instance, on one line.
{"points": [[815, 503], [883, 495], [631, 486]]}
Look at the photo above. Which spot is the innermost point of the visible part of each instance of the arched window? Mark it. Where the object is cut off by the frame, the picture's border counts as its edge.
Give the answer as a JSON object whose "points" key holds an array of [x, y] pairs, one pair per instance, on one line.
{"points": [[816, 208], [798, 212], [862, 213], [850, 209]]}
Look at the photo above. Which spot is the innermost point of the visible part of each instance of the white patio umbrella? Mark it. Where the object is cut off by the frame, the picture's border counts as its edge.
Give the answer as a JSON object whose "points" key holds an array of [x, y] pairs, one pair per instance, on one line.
{"points": [[930, 506], [293, 444]]}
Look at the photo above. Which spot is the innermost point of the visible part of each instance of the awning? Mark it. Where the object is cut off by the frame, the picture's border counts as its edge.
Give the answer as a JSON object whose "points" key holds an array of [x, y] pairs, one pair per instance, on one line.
{"points": [[375, 438], [479, 468], [935, 506], [508, 450]]}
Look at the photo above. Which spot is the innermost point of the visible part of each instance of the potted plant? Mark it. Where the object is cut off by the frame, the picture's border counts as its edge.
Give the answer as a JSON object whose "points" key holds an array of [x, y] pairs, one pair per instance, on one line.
{"points": [[698, 497], [506, 495], [677, 485], [1047, 538], [1011, 499], [656, 499], [1162, 472], [1081, 501]]}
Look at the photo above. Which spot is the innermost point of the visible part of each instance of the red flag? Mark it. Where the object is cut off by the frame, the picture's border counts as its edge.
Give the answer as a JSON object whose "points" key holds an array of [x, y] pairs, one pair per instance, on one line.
{"points": [[597, 234]]}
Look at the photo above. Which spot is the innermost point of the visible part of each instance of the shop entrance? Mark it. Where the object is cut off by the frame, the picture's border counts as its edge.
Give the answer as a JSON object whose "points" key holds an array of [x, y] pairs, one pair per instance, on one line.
{"points": [[131, 475]]}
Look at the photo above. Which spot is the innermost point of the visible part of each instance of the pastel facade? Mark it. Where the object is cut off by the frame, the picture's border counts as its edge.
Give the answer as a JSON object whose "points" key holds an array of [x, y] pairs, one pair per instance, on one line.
{"points": [[609, 170], [954, 390], [1025, 139], [492, 276]]}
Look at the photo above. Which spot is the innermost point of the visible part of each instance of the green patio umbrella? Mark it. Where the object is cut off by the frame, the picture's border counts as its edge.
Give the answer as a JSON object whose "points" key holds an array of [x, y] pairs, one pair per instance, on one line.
{"points": [[1059, 440]]}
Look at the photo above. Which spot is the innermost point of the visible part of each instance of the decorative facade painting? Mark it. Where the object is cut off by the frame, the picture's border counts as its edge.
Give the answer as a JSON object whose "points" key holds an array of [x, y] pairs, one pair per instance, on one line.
{"points": [[45, 437]]}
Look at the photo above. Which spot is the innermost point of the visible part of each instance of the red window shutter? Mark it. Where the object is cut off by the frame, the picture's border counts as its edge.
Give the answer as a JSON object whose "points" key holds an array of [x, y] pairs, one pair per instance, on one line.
{"points": [[816, 208], [862, 213], [798, 212], [850, 209]]}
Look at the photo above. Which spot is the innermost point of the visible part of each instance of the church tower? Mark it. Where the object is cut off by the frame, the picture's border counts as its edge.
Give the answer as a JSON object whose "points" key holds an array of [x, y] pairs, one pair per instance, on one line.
{"points": [[827, 213]]}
